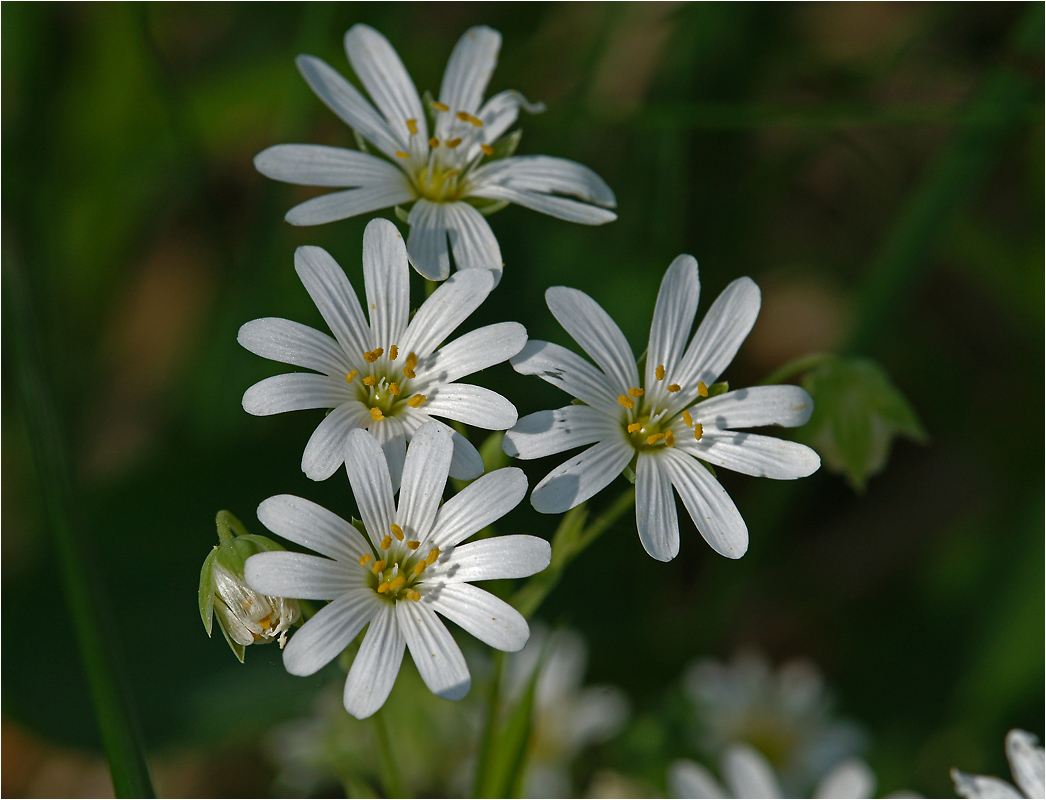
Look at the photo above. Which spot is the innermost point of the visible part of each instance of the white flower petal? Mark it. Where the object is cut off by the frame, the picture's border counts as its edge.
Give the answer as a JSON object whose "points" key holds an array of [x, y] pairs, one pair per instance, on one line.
{"points": [[295, 391], [494, 622], [472, 240], [301, 576], [472, 405], [982, 786], [293, 343], [553, 205], [391, 434], [575, 481], [547, 175], [748, 774], [656, 517], [599, 336], [687, 779], [387, 279], [752, 454], [383, 75], [319, 165], [325, 450], [424, 479], [329, 632], [673, 318], [436, 654], [547, 432], [708, 504], [851, 779], [371, 484], [427, 245], [467, 74], [331, 291], [471, 352], [466, 464], [479, 504], [570, 372], [350, 203], [444, 310], [499, 112], [344, 99], [376, 665], [310, 525], [517, 556], [1027, 762], [755, 406]]}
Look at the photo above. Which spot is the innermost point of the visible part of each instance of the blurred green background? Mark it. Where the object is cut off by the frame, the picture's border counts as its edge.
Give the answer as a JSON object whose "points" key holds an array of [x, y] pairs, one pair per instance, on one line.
{"points": [[876, 168]]}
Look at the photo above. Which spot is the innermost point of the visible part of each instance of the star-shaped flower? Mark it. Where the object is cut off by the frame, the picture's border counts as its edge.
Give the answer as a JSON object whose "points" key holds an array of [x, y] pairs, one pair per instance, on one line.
{"points": [[1027, 763], [411, 565], [387, 376], [666, 426], [451, 173]]}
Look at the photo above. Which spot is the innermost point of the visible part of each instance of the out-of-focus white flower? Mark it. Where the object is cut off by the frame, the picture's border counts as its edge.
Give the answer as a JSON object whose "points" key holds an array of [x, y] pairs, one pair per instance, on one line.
{"points": [[412, 567], [665, 426], [452, 173], [386, 375], [1027, 763]]}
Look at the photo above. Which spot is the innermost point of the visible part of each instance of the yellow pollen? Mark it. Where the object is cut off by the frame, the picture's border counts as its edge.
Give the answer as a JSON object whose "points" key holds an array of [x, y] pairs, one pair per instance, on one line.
{"points": [[452, 143], [383, 588], [636, 392], [378, 567], [674, 387], [432, 556], [373, 355], [413, 545], [397, 531], [416, 401], [436, 104], [465, 116], [266, 622], [699, 431], [702, 390], [659, 373], [419, 568], [626, 401], [397, 582], [412, 126], [376, 415], [394, 389], [487, 149], [370, 380], [687, 419], [350, 376], [394, 352], [412, 595], [657, 437], [635, 427], [401, 154], [365, 559], [670, 440], [412, 361], [433, 142], [386, 543]]}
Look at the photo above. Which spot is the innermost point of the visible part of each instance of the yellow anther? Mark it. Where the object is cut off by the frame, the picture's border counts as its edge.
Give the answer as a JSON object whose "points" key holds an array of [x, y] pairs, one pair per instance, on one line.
{"points": [[350, 376], [657, 437], [384, 587], [394, 389], [452, 143], [394, 352], [401, 154], [413, 545], [635, 427], [702, 390], [465, 116], [266, 622], [674, 387], [419, 568], [408, 368], [412, 126], [373, 355], [378, 568], [687, 419], [659, 373], [397, 582], [386, 543], [487, 149], [699, 431], [670, 440], [370, 380], [397, 531], [416, 401], [376, 415], [636, 392], [432, 556], [436, 104], [626, 401], [412, 595], [365, 559], [433, 142]]}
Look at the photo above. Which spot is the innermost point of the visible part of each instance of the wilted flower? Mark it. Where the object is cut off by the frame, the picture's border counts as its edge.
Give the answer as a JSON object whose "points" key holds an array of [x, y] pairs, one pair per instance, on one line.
{"points": [[1027, 763]]}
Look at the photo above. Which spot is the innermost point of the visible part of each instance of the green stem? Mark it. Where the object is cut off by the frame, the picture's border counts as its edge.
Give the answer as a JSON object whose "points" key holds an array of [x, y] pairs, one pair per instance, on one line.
{"points": [[793, 368], [390, 777], [490, 726]]}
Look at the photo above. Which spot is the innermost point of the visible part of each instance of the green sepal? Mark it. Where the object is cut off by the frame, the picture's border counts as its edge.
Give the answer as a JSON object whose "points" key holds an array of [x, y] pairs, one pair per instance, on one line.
{"points": [[234, 553], [486, 206], [426, 102], [575, 402], [502, 775], [402, 214], [709, 467], [717, 389], [358, 525], [629, 474], [494, 457], [505, 146], [361, 143], [237, 649], [207, 591]]}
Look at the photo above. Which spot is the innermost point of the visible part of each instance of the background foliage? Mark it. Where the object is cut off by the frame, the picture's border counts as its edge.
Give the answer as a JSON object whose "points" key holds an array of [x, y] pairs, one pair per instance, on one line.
{"points": [[876, 168]]}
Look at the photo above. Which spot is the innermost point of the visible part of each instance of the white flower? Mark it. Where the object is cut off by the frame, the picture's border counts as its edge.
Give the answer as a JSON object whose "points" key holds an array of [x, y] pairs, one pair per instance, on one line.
{"points": [[1027, 763], [446, 172], [665, 424], [413, 566], [386, 376]]}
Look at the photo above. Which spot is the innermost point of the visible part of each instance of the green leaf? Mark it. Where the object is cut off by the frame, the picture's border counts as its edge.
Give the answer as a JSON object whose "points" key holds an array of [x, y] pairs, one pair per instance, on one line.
{"points": [[502, 774]]}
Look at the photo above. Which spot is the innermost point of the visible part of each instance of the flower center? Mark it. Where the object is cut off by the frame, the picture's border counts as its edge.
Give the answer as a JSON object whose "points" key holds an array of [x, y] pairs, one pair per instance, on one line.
{"points": [[440, 171], [648, 427], [385, 388], [399, 566]]}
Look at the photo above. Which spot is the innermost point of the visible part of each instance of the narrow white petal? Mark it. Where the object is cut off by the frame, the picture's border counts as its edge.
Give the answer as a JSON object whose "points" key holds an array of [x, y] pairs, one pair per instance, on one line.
{"points": [[472, 405], [350, 203], [575, 481], [982, 786], [466, 464], [571, 373], [500, 111], [329, 632], [755, 406], [295, 391], [391, 435], [293, 343], [553, 205], [479, 504], [444, 310], [471, 240], [376, 665], [1027, 762], [707, 502], [673, 318], [387, 279], [752, 454], [319, 165], [344, 99], [494, 622], [424, 479], [517, 556], [331, 291], [851, 779], [467, 74], [427, 245], [436, 654], [656, 517], [310, 525], [383, 75], [371, 484], [325, 450], [748, 774], [547, 432], [599, 336], [689, 780], [301, 576], [471, 352], [547, 175]]}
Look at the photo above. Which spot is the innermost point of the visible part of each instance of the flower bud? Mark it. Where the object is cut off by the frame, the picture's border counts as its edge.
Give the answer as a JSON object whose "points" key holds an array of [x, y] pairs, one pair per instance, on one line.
{"points": [[245, 616]]}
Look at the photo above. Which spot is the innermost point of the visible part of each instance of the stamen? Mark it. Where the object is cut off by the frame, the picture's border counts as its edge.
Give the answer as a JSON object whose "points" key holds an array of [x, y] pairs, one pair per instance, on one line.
{"points": [[378, 568], [419, 568], [416, 401], [350, 376], [394, 389], [487, 149], [394, 352], [657, 437], [365, 559], [397, 583], [413, 545], [465, 116], [382, 588], [373, 355], [412, 595], [699, 431], [626, 401], [436, 104], [659, 373], [397, 531], [670, 440], [432, 556], [401, 154], [702, 390], [674, 387], [636, 392], [386, 543], [453, 143], [433, 142], [412, 361], [687, 419], [635, 427], [412, 126], [376, 415], [370, 380]]}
